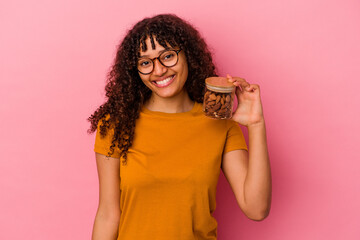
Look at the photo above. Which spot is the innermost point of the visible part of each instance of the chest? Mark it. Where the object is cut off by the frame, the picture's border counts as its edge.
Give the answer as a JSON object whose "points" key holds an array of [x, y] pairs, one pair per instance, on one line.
{"points": [[173, 153]]}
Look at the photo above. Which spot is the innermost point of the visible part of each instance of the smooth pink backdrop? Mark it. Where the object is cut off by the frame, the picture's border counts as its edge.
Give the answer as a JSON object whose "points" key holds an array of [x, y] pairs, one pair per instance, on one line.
{"points": [[305, 55]]}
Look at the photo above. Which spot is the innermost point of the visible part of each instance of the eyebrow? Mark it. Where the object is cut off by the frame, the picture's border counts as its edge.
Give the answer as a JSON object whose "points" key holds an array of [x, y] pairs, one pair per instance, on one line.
{"points": [[166, 49]]}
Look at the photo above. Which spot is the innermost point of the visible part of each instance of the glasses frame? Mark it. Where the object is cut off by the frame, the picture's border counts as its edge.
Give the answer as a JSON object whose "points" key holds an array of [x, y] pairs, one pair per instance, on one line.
{"points": [[158, 58]]}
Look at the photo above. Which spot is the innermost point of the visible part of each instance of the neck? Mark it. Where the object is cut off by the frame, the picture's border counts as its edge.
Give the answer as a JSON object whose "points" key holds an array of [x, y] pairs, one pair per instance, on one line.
{"points": [[176, 104]]}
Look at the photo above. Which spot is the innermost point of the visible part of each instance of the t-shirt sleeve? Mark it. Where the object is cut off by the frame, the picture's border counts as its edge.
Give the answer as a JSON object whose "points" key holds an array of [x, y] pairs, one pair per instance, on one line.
{"points": [[102, 144], [235, 138]]}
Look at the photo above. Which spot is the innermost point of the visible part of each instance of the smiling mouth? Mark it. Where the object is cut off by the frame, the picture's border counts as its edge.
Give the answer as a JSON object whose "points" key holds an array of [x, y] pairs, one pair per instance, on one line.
{"points": [[164, 83]]}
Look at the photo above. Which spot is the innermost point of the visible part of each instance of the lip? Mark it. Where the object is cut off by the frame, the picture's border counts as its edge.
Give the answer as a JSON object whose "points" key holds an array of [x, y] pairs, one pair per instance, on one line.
{"points": [[167, 84]]}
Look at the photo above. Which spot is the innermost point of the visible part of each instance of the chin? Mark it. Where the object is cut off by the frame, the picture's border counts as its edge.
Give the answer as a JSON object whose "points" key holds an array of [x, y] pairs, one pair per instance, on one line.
{"points": [[167, 94]]}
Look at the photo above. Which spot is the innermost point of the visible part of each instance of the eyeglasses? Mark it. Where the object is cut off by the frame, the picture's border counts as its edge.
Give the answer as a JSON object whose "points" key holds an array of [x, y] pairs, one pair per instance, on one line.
{"points": [[168, 58]]}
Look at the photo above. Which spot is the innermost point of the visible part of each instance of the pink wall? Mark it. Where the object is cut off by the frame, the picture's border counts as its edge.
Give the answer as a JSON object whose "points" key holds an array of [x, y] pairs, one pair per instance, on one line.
{"points": [[305, 55]]}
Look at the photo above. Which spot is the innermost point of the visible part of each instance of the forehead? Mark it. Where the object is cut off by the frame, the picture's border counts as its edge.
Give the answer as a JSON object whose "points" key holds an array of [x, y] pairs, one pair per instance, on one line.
{"points": [[152, 47]]}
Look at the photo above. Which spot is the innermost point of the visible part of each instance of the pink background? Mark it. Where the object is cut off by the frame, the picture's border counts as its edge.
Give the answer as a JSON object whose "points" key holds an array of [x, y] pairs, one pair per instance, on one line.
{"points": [[305, 55]]}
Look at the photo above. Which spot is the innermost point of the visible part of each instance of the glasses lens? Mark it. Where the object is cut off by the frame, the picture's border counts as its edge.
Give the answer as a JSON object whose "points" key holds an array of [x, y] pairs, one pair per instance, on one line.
{"points": [[145, 65], [168, 58]]}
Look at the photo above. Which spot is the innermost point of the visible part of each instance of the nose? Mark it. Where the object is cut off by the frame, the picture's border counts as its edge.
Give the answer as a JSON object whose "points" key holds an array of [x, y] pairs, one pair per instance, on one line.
{"points": [[159, 69]]}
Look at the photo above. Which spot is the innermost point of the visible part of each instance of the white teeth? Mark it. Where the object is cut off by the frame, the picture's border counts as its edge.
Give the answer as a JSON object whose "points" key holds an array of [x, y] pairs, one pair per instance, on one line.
{"points": [[166, 80]]}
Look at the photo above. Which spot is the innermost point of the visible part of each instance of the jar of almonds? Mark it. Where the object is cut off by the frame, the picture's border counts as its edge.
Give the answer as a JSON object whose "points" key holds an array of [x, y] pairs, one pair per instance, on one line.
{"points": [[218, 98]]}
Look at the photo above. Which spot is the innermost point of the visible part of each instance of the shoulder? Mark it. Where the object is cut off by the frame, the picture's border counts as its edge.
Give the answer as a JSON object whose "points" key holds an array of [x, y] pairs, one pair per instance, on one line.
{"points": [[105, 130], [103, 119], [104, 125], [104, 139]]}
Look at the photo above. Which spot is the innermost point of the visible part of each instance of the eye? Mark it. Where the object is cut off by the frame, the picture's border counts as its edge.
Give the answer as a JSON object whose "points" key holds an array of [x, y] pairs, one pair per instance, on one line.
{"points": [[144, 63], [167, 56]]}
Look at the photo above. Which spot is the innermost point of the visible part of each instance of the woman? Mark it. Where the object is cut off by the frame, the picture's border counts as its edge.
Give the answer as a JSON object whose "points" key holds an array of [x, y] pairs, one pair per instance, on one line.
{"points": [[171, 154]]}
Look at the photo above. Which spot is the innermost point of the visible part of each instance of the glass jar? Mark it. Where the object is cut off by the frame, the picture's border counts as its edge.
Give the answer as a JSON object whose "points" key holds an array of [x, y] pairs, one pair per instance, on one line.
{"points": [[218, 98]]}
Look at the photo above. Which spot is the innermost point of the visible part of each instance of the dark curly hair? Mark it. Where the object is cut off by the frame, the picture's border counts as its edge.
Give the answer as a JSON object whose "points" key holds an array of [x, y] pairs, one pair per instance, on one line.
{"points": [[126, 93]]}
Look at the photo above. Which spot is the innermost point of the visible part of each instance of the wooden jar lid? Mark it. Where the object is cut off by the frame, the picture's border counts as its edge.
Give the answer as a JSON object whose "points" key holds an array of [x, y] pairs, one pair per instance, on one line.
{"points": [[219, 84]]}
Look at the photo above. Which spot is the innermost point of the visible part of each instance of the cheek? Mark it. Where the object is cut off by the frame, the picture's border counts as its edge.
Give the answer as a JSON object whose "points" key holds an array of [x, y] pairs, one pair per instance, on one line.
{"points": [[144, 79], [183, 68], [186, 69], [185, 72]]}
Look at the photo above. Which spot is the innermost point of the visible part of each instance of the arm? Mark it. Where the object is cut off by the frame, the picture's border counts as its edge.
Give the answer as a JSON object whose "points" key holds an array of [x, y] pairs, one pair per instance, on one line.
{"points": [[249, 175], [108, 214]]}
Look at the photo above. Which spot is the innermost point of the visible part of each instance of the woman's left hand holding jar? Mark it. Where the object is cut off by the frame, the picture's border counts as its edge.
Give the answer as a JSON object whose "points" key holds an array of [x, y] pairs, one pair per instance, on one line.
{"points": [[249, 110]]}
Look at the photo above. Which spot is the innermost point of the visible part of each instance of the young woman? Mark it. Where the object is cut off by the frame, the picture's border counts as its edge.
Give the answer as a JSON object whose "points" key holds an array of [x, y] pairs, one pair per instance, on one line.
{"points": [[158, 156]]}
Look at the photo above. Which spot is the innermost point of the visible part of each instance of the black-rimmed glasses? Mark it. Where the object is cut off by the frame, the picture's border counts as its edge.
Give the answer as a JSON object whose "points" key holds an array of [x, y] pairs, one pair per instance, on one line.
{"points": [[168, 58]]}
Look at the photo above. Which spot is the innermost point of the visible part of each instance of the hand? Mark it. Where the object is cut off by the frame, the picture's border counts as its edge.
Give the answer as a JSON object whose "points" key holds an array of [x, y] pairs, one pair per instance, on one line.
{"points": [[249, 110]]}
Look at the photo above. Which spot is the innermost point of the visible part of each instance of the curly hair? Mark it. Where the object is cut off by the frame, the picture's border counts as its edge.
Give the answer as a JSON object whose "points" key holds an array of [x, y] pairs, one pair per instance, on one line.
{"points": [[126, 93]]}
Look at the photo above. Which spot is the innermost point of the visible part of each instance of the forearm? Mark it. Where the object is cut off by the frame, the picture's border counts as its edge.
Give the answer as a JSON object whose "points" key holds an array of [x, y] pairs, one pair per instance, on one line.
{"points": [[105, 226], [257, 185]]}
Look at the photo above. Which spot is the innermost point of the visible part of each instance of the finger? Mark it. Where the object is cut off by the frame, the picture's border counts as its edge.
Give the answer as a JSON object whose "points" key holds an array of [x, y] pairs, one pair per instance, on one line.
{"points": [[233, 81], [238, 79], [237, 84], [253, 88], [230, 79], [245, 85], [241, 82]]}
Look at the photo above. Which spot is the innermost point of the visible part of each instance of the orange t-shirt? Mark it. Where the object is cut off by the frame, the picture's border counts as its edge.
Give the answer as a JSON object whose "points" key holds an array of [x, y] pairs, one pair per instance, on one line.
{"points": [[168, 186]]}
